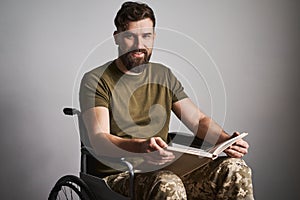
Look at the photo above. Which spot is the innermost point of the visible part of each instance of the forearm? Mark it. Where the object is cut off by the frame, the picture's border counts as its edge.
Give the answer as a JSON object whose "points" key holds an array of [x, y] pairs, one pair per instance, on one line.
{"points": [[214, 134], [203, 126], [200, 124], [105, 144], [96, 121], [209, 130]]}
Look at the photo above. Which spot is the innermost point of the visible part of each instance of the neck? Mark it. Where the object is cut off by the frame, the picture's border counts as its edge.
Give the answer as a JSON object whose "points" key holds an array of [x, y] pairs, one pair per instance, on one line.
{"points": [[123, 68]]}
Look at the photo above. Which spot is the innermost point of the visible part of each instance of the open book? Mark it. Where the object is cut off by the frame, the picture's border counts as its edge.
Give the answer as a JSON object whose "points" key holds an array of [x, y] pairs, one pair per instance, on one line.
{"points": [[190, 158]]}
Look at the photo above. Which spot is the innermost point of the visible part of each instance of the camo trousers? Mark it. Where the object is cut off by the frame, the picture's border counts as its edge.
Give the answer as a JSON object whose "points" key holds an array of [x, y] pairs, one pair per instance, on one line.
{"points": [[224, 178]]}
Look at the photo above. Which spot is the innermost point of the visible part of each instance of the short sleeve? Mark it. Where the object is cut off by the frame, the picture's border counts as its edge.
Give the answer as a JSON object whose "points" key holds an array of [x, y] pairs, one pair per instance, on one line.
{"points": [[176, 88], [93, 92]]}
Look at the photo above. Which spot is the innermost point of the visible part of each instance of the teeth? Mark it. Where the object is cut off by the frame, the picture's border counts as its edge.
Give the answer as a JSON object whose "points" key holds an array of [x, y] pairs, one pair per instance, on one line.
{"points": [[138, 53]]}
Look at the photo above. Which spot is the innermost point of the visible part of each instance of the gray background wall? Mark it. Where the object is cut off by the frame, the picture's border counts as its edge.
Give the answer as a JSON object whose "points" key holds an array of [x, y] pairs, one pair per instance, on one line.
{"points": [[255, 45]]}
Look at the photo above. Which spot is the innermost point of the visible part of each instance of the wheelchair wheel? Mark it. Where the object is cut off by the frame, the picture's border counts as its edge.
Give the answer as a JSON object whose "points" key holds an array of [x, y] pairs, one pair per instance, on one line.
{"points": [[71, 187]]}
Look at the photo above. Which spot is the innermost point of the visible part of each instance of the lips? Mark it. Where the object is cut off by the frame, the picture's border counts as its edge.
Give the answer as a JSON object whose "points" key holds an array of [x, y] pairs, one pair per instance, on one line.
{"points": [[138, 54]]}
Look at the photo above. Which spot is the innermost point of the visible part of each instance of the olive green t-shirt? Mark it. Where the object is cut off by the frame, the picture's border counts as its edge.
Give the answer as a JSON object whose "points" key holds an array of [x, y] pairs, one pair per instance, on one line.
{"points": [[139, 105]]}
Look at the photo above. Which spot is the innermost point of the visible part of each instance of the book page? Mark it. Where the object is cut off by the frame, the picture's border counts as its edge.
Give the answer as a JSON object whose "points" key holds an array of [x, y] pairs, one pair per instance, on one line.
{"points": [[189, 150], [216, 150]]}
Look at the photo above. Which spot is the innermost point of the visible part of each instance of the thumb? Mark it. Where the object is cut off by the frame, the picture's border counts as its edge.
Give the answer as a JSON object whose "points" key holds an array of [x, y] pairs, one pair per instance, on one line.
{"points": [[235, 134], [160, 142]]}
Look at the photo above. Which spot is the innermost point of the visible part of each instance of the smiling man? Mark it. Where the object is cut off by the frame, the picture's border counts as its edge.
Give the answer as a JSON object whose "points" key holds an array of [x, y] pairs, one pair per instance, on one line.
{"points": [[126, 106], [135, 45]]}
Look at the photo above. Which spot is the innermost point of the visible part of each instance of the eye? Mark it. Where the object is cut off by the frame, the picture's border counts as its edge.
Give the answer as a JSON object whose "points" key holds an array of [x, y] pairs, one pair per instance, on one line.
{"points": [[128, 36], [147, 35]]}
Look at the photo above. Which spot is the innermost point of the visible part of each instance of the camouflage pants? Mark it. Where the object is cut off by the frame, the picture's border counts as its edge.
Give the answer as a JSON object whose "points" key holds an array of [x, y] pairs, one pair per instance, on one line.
{"points": [[223, 178]]}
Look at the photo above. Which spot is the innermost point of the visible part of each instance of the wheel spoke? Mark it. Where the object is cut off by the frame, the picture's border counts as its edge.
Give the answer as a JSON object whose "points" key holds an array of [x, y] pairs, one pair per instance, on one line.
{"points": [[65, 192], [71, 194]]}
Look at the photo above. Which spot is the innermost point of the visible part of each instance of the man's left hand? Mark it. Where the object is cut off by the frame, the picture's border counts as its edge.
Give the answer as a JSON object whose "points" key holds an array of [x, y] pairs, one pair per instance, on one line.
{"points": [[238, 149]]}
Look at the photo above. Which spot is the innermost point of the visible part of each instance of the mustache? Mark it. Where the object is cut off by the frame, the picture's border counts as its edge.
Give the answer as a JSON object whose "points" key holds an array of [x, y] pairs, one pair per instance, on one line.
{"points": [[138, 50]]}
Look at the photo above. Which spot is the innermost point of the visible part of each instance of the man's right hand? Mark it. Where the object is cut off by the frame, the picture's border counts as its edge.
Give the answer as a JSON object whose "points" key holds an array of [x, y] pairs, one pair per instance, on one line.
{"points": [[156, 153]]}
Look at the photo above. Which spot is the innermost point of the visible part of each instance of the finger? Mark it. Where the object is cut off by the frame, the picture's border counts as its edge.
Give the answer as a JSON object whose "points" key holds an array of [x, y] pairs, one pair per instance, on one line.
{"points": [[234, 154], [156, 144], [166, 153], [242, 143], [154, 159], [170, 156], [162, 154], [160, 142], [153, 144], [239, 149], [236, 133], [156, 162]]}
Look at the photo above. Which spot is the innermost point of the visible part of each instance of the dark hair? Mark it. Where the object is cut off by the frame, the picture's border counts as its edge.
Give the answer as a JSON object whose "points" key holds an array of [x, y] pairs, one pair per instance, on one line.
{"points": [[132, 11]]}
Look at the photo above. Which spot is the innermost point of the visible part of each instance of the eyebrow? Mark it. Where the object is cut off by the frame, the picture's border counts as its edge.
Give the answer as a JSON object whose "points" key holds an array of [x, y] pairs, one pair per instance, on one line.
{"points": [[148, 32]]}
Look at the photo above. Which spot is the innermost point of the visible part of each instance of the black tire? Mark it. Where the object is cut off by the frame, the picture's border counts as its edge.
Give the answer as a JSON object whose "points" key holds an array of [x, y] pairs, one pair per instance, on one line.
{"points": [[71, 187]]}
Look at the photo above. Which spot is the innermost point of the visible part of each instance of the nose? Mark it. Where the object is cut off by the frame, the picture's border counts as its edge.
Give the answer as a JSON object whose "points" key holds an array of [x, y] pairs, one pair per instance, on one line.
{"points": [[139, 43]]}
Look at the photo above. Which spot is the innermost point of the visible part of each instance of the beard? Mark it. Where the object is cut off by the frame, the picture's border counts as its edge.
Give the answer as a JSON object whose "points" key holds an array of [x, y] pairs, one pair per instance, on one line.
{"points": [[135, 64]]}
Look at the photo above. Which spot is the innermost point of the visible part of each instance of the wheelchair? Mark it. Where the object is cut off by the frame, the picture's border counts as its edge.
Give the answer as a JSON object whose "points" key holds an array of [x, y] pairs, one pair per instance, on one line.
{"points": [[90, 185]]}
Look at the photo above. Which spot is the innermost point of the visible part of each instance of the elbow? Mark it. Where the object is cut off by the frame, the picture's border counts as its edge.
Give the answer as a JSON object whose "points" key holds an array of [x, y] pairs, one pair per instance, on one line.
{"points": [[100, 144]]}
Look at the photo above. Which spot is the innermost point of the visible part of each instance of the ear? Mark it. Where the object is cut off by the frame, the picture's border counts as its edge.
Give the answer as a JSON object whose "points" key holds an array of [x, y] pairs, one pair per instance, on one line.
{"points": [[116, 38]]}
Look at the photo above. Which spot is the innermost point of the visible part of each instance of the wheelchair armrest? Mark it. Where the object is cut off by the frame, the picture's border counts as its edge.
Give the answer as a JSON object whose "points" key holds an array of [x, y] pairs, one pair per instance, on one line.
{"points": [[89, 151]]}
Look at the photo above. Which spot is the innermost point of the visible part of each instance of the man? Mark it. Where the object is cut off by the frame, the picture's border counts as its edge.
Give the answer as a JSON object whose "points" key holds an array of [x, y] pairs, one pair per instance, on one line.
{"points": [[126, 106]]}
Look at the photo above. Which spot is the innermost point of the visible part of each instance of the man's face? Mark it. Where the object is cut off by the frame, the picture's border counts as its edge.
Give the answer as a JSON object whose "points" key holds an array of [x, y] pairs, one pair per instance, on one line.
{"points": [[135, 44]]}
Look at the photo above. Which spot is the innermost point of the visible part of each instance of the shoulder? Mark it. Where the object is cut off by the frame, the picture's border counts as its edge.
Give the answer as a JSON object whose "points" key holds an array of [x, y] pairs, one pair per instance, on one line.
{"points": [[98, 71], [103, 72], [163, 70], [159, 68]]}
